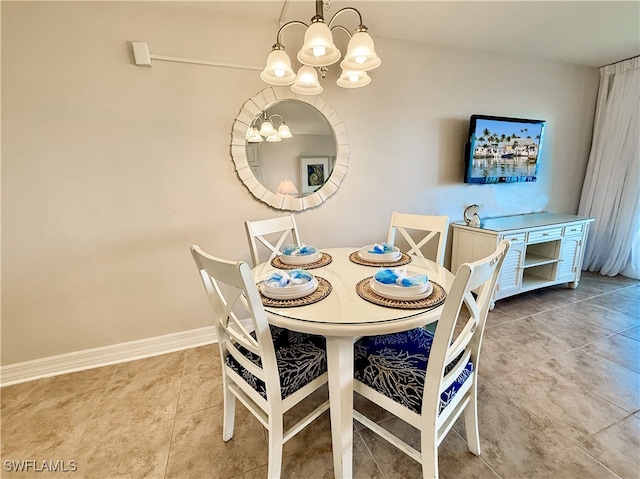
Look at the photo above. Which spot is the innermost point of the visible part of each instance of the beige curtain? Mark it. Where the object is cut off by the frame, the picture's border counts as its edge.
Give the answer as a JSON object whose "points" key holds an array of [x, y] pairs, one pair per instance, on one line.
{"points": [[611, 190]]}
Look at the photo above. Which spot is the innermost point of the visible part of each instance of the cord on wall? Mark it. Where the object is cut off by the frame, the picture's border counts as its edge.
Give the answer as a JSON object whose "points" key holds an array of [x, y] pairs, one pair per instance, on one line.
{"points": [[143, 58]]}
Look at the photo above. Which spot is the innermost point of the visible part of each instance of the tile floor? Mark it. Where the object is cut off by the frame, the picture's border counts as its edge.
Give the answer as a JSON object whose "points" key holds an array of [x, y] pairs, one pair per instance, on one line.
{"points": [[559, 398]]}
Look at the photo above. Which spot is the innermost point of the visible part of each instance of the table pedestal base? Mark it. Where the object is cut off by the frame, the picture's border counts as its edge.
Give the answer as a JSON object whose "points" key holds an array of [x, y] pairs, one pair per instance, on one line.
{"points": [[340, 359]]}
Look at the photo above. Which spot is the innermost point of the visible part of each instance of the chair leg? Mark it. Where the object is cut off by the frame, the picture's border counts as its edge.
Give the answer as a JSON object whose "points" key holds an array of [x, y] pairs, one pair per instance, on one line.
{"points": [[276, 431], [471, 422], [229, 408], [429, 453]]}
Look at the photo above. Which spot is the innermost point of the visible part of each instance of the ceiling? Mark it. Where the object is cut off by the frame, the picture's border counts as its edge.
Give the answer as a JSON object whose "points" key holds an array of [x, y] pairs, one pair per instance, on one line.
{"points": [[591, 33]]}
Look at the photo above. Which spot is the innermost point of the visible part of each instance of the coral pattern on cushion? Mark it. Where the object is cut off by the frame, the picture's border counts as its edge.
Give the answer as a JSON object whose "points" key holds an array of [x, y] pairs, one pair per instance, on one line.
{"points": [[395, 365], [300, 357]]}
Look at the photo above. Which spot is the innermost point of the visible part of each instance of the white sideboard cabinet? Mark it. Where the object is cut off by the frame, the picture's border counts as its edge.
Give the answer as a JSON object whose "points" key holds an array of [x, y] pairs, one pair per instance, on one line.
{"points": [[546, 249]]}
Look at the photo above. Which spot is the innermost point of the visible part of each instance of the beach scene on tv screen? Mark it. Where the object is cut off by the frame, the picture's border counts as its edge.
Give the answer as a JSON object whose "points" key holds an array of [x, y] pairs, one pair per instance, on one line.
{"points": [[505, 150]]}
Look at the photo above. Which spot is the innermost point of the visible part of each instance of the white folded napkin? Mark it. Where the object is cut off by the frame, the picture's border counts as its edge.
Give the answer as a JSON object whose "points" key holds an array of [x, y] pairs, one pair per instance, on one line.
{"points": [[299, 251], [282, 279], [400, 276], [381, 248]]}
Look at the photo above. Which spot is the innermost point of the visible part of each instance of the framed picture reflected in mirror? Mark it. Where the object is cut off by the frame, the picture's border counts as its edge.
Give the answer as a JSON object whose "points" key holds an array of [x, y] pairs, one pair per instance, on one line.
{"points": [[314, 171]]}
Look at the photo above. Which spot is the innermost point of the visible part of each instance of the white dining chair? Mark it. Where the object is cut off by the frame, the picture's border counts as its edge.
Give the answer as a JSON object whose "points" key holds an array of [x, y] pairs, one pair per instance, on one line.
{"points": [[271, 234], [269, 370], [436, 228], [429, 379]]}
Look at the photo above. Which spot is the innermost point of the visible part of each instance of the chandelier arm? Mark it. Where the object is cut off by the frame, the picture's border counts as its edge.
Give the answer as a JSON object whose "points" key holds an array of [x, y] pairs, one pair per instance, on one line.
{"points": [[352, 9], [256, 119], [344, 29], [279, 116], [292, 22]]}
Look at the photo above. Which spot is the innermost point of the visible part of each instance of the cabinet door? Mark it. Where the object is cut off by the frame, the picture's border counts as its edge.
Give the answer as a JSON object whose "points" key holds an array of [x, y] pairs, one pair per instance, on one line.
{"points": [[511, 275], [569, 254]]}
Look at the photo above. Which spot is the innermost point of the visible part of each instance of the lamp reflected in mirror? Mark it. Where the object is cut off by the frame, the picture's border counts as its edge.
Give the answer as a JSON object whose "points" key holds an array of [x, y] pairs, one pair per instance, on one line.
{"points": [[286, 187]]}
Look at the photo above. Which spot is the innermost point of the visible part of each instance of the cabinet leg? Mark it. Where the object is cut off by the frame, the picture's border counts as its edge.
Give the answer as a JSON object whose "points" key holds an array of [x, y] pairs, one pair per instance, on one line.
{"points": [[573, 284]]}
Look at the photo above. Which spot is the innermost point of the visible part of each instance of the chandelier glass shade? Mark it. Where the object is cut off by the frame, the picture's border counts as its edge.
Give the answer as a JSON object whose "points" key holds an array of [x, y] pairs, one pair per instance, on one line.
{"points": [[267, 130], [353, 79], [306, 82], [319, 51], [360, 53], [278, 70]]}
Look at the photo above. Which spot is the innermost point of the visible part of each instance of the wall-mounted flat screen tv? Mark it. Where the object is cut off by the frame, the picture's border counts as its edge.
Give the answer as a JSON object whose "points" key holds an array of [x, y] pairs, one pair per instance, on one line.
{"points": [[502, 149]]}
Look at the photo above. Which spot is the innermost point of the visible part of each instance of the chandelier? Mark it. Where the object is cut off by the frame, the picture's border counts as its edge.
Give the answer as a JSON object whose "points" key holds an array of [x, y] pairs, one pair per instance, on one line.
{"points": [[267, 129], [319, 51]]}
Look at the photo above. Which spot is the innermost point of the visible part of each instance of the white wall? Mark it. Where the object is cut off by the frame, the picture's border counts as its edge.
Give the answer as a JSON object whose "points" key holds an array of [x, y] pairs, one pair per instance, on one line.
{"points": [[111, 171]]}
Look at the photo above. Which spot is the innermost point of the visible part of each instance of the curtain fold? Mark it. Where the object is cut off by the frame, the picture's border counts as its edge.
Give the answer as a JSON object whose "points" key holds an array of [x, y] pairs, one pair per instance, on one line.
{"points": [[611, 190]]}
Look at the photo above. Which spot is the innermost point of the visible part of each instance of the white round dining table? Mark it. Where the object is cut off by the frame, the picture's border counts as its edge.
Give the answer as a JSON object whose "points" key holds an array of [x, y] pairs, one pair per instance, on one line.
{"points": [[343, 316]]}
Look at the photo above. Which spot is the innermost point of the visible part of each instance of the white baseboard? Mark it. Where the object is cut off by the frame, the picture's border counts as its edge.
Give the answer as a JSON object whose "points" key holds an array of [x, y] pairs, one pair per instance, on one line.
{"points": [[104, 356]]}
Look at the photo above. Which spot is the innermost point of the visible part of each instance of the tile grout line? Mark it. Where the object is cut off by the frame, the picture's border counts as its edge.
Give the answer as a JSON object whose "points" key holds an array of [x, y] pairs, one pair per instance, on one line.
{"points": [[588, 453], [175, 418], [453, 431], [375, 461]]}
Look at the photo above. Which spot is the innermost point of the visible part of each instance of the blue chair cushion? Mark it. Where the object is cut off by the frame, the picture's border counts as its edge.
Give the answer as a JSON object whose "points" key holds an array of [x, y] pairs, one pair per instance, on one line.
{"points": [[395, 365], [300, 357]]}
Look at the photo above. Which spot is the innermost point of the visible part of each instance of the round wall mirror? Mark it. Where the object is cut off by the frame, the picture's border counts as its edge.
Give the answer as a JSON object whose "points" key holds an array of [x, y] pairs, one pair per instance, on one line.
{"points": [[293, 172]]}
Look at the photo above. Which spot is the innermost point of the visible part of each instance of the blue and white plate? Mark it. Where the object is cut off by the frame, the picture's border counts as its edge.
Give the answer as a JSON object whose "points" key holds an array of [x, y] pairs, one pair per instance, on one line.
{"points": [[293, 291], [297, 256], [365, 254], [401, 293]]}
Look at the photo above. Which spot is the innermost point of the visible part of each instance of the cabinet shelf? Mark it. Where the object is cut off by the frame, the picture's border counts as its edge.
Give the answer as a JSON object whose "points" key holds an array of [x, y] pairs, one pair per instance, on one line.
{"points": [[531, 281], [531, 260]]}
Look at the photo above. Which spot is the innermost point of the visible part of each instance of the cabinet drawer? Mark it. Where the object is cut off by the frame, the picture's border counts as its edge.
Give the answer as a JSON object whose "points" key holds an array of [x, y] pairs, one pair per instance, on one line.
{"points": [[515, 238], [572, 230], [545, 235]]}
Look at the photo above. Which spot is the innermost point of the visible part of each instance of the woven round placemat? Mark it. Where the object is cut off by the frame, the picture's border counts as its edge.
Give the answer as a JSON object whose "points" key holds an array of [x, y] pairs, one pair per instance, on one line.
{"points": [[355, 258], [321, 292], [324, 260], [434, 300]]}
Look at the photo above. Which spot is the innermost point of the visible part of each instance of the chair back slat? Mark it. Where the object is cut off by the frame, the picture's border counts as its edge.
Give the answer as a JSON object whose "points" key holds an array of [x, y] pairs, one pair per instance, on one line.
{"points": [[243, 338], [453, 374], [230, 287], [471, 304], [462, 340], [276, 247], [244, 362], [261, 232], [229, 320], [480, 276], [415, 248], [434, 226]]}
